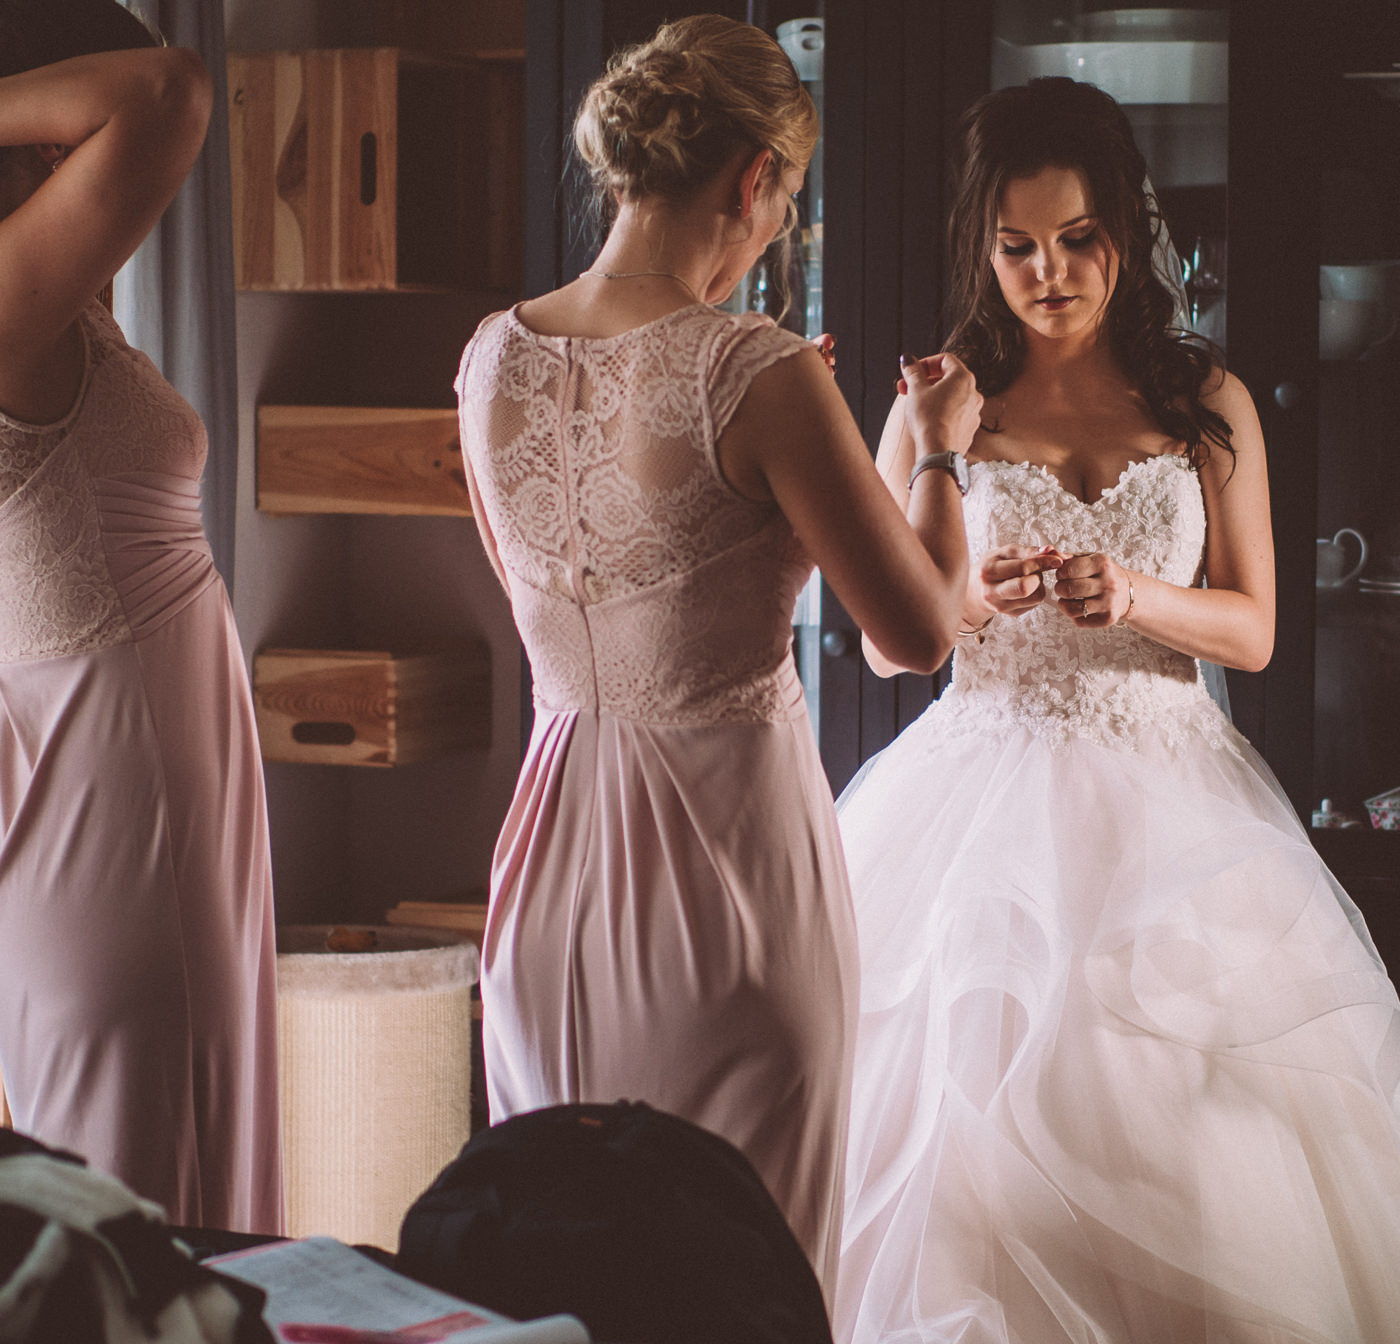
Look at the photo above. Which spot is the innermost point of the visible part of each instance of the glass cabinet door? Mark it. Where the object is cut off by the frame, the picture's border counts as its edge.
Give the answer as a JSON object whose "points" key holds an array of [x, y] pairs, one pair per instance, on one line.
{"points": [[1356, 703]]}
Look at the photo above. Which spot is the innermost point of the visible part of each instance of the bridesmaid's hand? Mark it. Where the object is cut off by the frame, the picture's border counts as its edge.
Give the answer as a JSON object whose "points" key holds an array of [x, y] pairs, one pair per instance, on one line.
{"points": [[826, 347], [1010, 581], [1094, 590], [942, 408]]}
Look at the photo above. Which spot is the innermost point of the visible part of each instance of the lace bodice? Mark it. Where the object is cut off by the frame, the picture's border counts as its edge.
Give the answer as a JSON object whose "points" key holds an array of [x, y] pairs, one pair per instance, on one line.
{"points": [[642, 584], [1041, 671], [69, 493]]}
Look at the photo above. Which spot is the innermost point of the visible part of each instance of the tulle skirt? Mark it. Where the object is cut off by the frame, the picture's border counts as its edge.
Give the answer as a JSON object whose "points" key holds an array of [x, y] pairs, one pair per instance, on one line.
{"points": [[1127, 1061]]}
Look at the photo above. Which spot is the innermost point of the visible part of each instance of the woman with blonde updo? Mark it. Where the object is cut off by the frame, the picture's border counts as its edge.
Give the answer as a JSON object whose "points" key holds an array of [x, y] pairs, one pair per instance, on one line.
{"points": [[653, 480]]}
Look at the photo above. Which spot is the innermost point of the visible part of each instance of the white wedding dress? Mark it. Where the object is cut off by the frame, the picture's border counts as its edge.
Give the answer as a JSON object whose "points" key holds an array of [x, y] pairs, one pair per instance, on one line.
{"points": [[1127, 1061]]}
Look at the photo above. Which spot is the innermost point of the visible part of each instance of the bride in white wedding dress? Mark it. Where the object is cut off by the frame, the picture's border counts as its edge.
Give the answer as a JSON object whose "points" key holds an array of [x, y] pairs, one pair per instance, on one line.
{"points": [[1127, 1060]]}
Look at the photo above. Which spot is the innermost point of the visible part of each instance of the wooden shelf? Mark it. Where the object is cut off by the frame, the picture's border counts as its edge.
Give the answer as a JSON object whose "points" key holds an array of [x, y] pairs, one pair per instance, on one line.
{"points": [[376, 168], [360, 459], [358, 707], [467, 917]]}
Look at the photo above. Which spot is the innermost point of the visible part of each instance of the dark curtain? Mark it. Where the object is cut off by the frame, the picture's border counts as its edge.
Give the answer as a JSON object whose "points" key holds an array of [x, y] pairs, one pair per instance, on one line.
{"points": [[174, 298]]}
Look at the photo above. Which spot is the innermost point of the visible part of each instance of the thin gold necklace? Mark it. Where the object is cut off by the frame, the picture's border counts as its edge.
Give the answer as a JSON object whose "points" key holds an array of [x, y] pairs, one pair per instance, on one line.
{"points": [[632, 275]]}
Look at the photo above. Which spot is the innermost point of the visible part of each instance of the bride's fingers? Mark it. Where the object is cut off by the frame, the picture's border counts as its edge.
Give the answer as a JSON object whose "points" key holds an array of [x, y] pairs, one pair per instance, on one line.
{"points": [[1074, 589], [1087, 565], [1001, 569]]}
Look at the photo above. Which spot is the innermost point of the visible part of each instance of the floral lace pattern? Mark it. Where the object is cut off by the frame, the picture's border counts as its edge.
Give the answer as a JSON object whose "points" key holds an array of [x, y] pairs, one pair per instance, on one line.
{"points": [[643, 585], [57, 594], [1041, 671]]}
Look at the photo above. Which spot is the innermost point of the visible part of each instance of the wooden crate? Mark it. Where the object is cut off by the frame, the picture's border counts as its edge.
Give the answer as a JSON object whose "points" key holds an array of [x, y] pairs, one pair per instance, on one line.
{"points": [[351, 707], [467, 917], [375, 168], [358, 459]]}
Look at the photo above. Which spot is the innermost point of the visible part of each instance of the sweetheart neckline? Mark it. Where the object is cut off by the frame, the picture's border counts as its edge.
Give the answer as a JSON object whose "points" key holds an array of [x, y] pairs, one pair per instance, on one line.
{"points": [[1123, 476]]}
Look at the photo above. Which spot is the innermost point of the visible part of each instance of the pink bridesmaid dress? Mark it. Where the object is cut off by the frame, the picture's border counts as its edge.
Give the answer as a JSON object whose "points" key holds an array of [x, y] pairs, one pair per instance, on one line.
{"points": [[670, 920], [137, 971]]}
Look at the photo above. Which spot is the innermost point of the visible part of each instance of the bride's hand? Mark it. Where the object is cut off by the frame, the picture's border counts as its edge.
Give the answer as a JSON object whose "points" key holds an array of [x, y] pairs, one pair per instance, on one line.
{"points": [[1010, 581], [1094, 590]]}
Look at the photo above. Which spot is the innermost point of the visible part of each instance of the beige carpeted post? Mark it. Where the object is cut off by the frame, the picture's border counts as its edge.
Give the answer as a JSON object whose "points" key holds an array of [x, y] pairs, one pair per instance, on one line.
{"points": [[374, 1062]]}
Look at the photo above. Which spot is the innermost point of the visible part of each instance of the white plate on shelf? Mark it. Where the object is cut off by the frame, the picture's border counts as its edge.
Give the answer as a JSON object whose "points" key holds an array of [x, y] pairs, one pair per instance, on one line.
{"points": [[1385, 82], [1154, 25], [1379, 585]]}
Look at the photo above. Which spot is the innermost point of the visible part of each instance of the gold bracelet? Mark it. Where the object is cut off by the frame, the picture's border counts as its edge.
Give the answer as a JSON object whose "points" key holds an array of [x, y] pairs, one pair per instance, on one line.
{"points": [[1129, 611]]}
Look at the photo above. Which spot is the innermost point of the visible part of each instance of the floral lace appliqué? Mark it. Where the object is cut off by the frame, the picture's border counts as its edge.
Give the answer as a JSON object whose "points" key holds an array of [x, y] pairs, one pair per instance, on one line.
{"points": [[1041, 672]]}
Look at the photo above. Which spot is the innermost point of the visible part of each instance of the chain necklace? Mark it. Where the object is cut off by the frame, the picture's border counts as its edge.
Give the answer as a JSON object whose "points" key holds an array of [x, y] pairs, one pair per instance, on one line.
{"points": [[632, 275]]}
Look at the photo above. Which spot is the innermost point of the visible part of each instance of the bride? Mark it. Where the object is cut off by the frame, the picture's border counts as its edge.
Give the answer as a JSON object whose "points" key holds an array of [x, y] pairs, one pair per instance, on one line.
{"points": [[1127, 1060]]}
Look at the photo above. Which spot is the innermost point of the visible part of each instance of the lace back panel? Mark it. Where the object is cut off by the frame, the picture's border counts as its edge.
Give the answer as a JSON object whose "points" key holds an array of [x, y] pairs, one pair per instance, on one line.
{"points": [[642, 584]]}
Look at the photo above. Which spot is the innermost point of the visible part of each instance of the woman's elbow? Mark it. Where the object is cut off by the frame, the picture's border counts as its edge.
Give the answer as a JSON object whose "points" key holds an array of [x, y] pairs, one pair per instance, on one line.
{"points": [[921, 650], [1255, 649], [181, 87], [1256, 657]]}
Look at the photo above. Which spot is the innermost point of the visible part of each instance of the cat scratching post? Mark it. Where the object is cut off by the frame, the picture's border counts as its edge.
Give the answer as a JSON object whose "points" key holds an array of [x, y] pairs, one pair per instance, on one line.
{"points": [[374, 1063]]}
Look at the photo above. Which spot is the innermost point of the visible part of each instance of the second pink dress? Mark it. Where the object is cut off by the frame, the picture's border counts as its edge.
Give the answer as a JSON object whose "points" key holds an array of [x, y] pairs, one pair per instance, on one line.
{"points": [[670, 919], [137, 972]]}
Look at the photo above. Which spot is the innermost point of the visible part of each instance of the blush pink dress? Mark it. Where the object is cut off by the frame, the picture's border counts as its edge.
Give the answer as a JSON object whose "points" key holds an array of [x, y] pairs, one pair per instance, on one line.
{"points": [[670, 920], [137, 972]]}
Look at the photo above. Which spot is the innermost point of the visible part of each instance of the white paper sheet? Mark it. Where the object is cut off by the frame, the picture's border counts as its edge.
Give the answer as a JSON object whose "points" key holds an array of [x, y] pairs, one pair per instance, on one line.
{"points": [[321, 1291]]}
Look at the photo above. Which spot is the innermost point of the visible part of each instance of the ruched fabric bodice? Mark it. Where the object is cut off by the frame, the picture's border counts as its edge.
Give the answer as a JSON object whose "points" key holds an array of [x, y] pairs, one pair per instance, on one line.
{"points": [[101, 538], [1041, 671], [643, 585]]}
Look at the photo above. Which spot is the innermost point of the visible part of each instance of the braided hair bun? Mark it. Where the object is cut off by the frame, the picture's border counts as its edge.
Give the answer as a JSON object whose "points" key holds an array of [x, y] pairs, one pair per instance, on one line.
{"points": [[668, 114]]}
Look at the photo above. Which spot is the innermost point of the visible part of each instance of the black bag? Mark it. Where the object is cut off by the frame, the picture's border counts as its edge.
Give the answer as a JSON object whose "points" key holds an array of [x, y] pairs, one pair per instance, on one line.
{"points": [[648, 1228], [84, 1261]]}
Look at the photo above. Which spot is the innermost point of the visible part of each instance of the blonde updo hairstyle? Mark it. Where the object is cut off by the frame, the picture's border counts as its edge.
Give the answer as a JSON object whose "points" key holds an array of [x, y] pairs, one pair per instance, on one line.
{"points": [[668, 114]]}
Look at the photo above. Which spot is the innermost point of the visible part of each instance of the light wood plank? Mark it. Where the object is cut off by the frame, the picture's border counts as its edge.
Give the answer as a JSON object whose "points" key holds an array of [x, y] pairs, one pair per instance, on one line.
{"points": [[357, 459]]}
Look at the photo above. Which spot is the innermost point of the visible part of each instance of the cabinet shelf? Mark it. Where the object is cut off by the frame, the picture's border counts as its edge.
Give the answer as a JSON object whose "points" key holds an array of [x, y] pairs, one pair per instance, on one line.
{"points": [[359, 459]]}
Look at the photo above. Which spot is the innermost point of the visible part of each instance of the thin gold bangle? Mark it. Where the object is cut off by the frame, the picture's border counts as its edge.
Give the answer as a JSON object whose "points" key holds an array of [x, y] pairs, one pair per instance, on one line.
{"points": [[1124, 617]]}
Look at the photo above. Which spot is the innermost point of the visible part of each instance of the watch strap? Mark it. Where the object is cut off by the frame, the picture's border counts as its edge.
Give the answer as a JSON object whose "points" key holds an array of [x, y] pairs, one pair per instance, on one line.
{"points": [[946, 460]]}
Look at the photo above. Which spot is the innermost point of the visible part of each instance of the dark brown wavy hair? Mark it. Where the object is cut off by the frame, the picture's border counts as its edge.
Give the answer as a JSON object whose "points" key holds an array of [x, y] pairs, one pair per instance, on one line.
{"points": [[1057, 122]]}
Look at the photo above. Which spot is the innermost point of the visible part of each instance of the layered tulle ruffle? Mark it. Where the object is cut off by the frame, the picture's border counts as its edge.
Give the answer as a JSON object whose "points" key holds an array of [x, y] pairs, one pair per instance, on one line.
{"points": [[1127, 1061]]}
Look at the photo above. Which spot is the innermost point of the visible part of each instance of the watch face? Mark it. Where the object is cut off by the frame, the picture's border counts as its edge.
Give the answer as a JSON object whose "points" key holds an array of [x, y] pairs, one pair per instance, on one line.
{"points": [[961, 475]]}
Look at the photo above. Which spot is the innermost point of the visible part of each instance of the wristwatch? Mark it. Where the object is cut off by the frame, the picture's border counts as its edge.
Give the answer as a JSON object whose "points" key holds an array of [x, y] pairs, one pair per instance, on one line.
{"points": [[953, 463]]}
